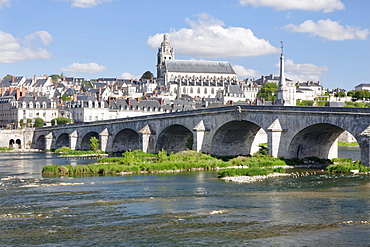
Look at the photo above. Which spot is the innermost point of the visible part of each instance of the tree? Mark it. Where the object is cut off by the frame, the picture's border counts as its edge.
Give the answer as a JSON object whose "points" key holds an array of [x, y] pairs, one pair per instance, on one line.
{"points": [[61, 121], [340, 94], [55, 77], [7, 76], [94, 143], [39, 122], [147, 76], [268, 91]]}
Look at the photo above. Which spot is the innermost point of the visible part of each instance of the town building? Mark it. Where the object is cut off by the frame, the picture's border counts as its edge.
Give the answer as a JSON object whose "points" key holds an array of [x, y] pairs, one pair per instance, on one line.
{"points": [[198, 79]]}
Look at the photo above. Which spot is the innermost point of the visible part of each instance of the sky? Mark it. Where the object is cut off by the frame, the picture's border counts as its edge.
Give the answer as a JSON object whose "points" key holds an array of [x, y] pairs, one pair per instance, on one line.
{"points": [[323, 40]]}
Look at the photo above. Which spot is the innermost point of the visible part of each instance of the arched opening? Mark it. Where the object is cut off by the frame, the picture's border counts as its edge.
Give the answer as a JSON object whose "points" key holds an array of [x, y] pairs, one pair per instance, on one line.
{"points": [[40, 143], [318, 140], [175, 138], [126, 139], [62, 141], [18, 143], [85, 144], [11, 143], [348, 146], [236, 138]]}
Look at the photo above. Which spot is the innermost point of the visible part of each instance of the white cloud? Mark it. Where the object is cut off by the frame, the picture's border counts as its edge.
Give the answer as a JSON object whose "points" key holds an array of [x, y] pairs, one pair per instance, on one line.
{"points": [[245, 73], [14, 49], [329, 30], [44, 36], [311, 5], [303, 72], [4, 3], [86, 3], [208, 38], [127, 75], [84, 68]]}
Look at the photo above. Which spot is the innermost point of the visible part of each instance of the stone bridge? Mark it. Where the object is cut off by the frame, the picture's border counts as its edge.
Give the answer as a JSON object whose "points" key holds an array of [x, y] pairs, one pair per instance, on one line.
{"points": [[292, 132]]}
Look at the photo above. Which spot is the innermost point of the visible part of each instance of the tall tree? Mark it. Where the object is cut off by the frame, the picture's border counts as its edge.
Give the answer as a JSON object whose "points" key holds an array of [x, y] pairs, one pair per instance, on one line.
{"points": [[268, 91], [147, 76]]}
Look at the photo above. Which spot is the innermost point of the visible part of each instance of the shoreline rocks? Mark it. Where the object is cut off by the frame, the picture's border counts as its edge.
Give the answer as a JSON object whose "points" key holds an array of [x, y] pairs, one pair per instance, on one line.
{"points": [[251, 179]]}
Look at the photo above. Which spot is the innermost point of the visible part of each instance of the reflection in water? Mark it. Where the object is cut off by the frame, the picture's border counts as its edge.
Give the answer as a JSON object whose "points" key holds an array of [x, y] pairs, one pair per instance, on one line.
{"points": [[184, 209]]}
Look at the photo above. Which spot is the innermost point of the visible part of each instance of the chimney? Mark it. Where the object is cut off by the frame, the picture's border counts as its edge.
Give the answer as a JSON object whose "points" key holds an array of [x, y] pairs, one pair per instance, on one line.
{"points": [[128, 101], [35, 96], [2, 91], [99, 94], [138, 100], [13, 78], [24, 91], [18, 94], [74, 97], [160, 101]]}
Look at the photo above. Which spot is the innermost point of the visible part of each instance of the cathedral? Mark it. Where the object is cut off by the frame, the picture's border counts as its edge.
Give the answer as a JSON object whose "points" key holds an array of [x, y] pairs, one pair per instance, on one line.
{"points": [[198, 79]]}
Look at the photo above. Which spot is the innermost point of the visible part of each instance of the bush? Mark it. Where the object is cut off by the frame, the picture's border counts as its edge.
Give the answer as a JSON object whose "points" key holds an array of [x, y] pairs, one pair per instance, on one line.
{"points": [[347, 167], [61, 121], [94, 143]]}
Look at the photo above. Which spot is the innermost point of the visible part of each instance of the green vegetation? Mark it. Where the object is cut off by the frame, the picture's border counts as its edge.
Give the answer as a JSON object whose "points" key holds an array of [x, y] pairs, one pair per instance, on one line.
{"points": [[140, 162], [68, 151], [268, 91], [346, 167], [5, 149], [37, 122], [94, 143], [147, 76], [356, 104], [61, 121], [254, 171], [347, 143]]}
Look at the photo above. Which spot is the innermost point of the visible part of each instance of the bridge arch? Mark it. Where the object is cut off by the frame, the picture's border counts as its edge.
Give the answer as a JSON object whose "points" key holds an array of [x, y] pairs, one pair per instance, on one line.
{"points": [[235, 138], [126, 139], [40, 143], [316, 140], [62, 141], [175, 138], [85, 143]]}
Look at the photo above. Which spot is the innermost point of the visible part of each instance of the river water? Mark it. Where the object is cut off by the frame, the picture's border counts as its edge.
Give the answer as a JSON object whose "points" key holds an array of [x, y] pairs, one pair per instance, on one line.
{"points": [[185, 209]]}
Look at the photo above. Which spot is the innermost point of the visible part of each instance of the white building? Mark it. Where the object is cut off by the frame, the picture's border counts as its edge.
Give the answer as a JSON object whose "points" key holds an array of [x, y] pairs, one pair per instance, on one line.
{"points": [[201, 79]]}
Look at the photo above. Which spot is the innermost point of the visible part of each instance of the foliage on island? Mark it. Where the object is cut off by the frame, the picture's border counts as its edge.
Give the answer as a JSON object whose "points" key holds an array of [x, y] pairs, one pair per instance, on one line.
{"points": [[65, 151], [344, 166]]}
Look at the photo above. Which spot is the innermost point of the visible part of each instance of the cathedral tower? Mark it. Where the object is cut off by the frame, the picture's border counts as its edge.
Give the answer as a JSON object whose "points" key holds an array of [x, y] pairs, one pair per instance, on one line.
{"points": [[165, 52]]}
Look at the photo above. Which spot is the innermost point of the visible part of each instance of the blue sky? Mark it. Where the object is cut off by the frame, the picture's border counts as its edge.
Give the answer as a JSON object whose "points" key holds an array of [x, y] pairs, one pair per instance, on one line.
{"points": [[324, 40]]}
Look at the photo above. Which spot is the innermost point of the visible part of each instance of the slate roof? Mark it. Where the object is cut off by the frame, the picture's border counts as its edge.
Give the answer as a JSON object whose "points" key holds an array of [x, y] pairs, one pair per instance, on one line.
{"points": [[192, 66]]}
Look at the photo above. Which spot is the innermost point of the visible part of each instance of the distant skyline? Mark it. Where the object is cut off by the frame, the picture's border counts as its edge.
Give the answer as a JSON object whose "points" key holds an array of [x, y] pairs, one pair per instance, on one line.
{"points": [[324, 40]]}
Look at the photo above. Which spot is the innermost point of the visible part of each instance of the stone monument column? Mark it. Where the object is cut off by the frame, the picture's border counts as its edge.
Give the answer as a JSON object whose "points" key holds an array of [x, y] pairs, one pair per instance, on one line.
{"points": [[103, 136], [73, 140], [145, 136]]}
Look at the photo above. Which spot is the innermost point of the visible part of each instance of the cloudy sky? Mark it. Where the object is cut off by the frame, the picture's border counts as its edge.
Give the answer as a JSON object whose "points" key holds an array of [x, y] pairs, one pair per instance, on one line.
{"points": [[324, 40]]}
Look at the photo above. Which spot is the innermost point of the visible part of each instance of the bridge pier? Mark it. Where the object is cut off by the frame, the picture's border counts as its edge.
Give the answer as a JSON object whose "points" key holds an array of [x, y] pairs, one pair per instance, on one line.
{"points": [[364, 143], [144, 138], [274, 133], [103, 136], [73, 140], [48, 141], [199, 130]]}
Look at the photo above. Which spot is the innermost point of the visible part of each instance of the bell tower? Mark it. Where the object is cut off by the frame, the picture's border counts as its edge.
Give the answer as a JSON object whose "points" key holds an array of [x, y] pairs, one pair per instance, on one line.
{"points": [[165, 52]]}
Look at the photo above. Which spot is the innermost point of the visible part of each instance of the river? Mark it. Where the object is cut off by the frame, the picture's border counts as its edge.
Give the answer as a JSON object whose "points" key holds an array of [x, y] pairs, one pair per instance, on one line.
{"points": [[185, 209]]}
